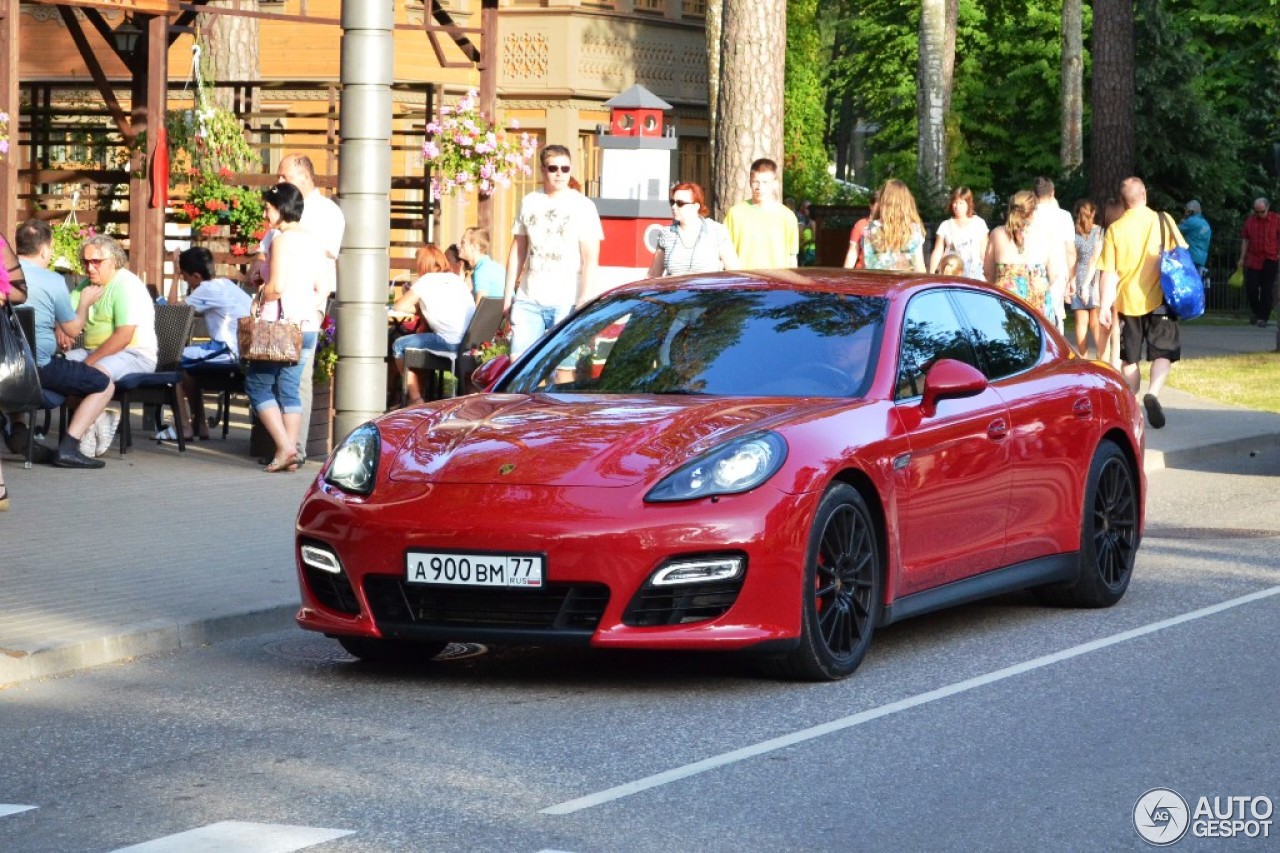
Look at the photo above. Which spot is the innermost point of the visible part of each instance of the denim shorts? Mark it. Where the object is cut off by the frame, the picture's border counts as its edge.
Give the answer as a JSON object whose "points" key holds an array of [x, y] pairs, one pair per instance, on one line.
{"points": [[427, 340], [72, 378], [270, 384]]}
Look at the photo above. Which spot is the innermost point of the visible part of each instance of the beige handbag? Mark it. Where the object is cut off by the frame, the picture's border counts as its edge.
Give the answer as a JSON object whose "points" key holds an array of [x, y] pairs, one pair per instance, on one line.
{"points": [[276, 341]]}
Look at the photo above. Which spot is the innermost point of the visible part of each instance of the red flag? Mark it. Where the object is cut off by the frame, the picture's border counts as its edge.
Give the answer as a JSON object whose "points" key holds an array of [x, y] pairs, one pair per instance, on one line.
{"points": [[160, 169]]}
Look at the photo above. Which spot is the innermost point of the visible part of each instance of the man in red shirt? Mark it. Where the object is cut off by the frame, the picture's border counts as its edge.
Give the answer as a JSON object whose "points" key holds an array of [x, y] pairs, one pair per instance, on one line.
{"points": [[1260, 257]]}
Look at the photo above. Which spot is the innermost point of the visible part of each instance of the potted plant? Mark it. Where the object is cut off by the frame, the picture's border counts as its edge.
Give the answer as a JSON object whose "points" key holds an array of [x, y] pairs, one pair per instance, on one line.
{"points": [[469, 153]]}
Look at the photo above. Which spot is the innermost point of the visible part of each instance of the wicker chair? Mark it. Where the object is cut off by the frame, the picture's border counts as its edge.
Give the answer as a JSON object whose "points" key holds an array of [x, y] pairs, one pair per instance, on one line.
{"points": [[52, 399], [160, 388]]}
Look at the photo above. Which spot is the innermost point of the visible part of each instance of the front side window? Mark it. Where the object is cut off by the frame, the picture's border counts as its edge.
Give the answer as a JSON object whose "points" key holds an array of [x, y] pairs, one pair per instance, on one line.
{"points": [[930, 331], [715, 341], [1007, 337]]}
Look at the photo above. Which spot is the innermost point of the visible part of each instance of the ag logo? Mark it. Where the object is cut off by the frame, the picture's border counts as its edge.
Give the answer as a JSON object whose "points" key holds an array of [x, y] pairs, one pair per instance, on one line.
{"points": [[1161, 817]]}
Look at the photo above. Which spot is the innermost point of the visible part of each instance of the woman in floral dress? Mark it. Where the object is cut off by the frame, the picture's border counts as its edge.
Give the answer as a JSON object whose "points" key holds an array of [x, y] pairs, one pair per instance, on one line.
{"points": [[964, 234], [1022, 262], [894, 240]]}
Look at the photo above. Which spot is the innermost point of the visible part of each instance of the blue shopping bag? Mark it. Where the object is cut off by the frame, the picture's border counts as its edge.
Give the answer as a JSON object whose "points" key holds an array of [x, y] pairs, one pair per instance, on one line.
{"points": [[1179, 278]]}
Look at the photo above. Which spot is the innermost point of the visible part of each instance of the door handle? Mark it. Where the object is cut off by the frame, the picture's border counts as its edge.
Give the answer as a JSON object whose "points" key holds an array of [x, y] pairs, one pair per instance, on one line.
{"points": [[1082, 408], [998, 429]]}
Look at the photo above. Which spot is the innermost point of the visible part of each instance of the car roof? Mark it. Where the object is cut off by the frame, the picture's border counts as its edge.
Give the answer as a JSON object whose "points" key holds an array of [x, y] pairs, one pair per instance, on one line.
{"points": [[884, 283]]}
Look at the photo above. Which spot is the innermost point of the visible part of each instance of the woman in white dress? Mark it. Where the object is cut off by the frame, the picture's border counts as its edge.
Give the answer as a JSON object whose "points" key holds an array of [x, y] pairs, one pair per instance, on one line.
{"points": [[964, 234]]}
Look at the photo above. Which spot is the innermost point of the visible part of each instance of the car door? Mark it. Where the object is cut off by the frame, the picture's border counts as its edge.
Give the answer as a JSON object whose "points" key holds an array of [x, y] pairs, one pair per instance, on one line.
{"points": [[953, 486], [1051, 424]]}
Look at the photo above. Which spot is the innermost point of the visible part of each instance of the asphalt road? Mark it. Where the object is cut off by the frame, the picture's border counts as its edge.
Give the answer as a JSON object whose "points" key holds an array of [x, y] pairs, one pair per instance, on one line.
{"points": [[998, 726]]}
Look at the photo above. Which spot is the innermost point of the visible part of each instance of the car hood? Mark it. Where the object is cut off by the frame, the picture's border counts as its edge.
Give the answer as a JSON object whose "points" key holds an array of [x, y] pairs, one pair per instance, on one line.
{"points": [[577, 440]]}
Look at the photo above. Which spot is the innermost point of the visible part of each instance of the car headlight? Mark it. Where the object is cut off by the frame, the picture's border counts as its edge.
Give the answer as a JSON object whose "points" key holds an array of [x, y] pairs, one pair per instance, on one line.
{"points": [[738, 466], [354, 467]]}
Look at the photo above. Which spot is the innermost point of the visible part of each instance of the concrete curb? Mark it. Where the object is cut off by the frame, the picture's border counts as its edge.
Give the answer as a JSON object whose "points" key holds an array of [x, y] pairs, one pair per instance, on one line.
{"points": [[18, 665], [1156, 460]]}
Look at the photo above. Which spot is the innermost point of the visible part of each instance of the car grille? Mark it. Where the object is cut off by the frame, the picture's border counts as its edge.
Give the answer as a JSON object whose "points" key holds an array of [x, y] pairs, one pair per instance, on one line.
{"points": [[556, 608], [679, 605], [332, 591]]}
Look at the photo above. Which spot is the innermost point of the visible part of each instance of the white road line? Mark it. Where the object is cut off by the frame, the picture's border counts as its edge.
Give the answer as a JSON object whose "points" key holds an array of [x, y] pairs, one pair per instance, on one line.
{"points": [[8, 809], [678, 773], [240, 837]]}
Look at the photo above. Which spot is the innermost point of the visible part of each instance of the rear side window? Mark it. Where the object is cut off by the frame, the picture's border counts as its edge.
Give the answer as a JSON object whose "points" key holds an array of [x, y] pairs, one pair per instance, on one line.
{"points": [[1008, 339], [930, 331]]}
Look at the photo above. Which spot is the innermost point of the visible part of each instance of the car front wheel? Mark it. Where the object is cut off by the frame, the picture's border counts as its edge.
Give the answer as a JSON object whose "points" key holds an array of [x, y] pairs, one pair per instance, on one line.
{"points": [[842, 595], [1108, 534], [374, 650]]}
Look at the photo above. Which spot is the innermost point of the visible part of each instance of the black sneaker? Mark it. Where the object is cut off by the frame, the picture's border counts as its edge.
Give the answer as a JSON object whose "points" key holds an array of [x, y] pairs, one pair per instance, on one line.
{"points": [[73, 458], [1155, 414]]}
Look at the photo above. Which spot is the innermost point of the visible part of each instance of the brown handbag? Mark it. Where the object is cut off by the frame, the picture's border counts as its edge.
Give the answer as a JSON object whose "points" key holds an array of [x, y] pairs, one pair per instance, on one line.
{"points": [[277, 341]]}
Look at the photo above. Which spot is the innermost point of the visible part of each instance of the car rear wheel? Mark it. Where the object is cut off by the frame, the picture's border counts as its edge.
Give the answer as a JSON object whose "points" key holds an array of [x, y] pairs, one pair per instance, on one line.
{"points": [[376, 650], [1108, 534], [842, 596]]}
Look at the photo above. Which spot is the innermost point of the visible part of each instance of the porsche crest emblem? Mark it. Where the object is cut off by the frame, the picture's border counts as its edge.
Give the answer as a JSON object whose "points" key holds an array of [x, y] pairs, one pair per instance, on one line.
{"points": [[507, 468]]}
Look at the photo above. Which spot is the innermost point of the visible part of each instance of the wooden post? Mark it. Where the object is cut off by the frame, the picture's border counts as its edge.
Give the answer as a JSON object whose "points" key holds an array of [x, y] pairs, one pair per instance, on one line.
{"points": [[488, 87], [9, 104], [157, 111]]}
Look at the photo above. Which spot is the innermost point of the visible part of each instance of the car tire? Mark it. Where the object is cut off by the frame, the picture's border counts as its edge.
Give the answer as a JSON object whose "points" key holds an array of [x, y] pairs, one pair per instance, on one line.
{"points": [[843, 592], [1108, 534], [374, 650]]}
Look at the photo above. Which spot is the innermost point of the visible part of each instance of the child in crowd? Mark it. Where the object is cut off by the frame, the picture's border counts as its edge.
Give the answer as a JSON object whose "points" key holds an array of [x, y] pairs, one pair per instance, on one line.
{"points": [[951, 264]]}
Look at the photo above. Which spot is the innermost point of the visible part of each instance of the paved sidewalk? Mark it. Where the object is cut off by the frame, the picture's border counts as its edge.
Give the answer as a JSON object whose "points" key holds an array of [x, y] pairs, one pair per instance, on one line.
{"points": [[183, 551]]}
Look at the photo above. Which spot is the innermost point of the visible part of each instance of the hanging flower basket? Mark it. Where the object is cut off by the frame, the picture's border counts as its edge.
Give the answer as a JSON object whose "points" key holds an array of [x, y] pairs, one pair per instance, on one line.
{"points": [[468, 153], [4, 135]]}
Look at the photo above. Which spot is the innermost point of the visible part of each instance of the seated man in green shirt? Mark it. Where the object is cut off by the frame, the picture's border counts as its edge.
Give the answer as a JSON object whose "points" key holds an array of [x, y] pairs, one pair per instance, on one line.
{"points": [[119, 328]]}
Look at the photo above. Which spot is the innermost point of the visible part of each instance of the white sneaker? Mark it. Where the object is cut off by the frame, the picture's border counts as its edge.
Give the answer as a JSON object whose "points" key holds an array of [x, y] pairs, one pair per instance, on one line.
{"points": [[105, 426], [89, 444]]}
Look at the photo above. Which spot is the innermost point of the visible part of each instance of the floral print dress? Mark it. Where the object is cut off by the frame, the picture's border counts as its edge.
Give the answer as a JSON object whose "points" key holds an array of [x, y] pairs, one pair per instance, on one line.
{"points": [[1086, 291], [1030, 282]]}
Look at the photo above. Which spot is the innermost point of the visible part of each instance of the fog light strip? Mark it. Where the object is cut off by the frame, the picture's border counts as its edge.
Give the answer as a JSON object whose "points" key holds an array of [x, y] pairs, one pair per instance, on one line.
{"points": [[319, 558], [678, 773]]}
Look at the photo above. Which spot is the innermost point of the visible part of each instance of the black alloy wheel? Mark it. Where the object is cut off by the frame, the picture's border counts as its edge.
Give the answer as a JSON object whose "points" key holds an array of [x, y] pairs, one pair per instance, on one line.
{"points": [[843, 594]]}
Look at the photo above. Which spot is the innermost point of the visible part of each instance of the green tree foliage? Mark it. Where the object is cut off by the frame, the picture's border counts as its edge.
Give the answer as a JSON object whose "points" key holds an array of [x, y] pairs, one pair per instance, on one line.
{"points": [[804, 127]]}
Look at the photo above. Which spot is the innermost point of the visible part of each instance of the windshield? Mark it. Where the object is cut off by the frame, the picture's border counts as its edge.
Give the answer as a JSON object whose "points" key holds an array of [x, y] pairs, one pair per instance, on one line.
{"points": [[729, 342]]}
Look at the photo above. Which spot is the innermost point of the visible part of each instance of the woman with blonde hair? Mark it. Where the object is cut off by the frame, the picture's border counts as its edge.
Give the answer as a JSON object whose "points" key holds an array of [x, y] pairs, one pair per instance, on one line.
{"points": [[964, 234], [1020, 260], [1085, 301], [895, 238]]}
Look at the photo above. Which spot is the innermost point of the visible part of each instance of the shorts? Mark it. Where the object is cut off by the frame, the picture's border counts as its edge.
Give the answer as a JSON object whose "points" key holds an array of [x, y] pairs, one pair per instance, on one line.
{"points": [[72, 378], [1159, 332], [120, 364]]}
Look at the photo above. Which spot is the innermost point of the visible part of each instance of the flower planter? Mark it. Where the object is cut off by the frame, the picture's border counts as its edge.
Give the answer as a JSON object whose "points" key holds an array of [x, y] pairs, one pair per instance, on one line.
{"points": [[320, 436]]}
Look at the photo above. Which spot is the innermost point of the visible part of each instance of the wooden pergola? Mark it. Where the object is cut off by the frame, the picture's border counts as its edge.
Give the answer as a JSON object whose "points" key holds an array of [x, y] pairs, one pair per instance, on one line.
{"points": [[153, 26]]}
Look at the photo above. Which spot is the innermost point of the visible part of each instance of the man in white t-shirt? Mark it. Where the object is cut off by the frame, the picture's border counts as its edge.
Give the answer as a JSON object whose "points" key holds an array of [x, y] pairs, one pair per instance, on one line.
{"points": [[1059, 230], [323, 219], [556, 248]]}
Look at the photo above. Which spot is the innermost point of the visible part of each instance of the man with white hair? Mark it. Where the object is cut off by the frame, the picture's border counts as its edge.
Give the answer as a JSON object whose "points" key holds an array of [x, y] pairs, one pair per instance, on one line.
{"points": [[1260, 258], [323, 219]]}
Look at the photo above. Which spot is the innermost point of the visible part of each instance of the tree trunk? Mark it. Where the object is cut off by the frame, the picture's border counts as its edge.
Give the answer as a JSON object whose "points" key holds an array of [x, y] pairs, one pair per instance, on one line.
{"points": [[1072, 152], [1112, 144], [230, 47], [750, 100], [933, 96], [714, 25]]}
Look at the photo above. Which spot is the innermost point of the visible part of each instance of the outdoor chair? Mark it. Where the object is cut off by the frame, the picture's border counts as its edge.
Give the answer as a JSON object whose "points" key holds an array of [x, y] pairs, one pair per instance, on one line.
{"points": [[432, 367], [224, 380], [52, 399], [161, 387]]}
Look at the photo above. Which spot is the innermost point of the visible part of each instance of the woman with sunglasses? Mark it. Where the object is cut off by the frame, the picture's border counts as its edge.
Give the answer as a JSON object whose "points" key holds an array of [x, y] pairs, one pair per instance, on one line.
{"points": [[692, 242]]}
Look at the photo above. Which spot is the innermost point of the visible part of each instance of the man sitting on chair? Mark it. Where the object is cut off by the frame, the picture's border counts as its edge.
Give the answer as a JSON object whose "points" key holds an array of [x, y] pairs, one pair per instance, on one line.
{"points": [[222, 303], [446, 304], [55, 319]]}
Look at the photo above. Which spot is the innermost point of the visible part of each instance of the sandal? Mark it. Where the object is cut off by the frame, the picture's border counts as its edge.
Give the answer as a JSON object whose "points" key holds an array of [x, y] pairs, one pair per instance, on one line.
{"points": [[4, 498], [288, 464]]}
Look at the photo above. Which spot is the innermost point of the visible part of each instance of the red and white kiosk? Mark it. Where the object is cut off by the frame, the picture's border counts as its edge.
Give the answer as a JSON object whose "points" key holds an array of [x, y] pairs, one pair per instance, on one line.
{"points": [[635, 178]]}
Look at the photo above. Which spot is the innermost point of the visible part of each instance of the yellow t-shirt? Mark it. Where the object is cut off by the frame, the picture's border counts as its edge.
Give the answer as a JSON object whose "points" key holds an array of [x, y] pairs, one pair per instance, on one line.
{"points": [[1131, 249], [764, 236]]}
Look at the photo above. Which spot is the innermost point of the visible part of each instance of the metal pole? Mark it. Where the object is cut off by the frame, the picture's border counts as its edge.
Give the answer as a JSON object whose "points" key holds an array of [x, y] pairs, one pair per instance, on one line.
{"points": [[364, 189]]}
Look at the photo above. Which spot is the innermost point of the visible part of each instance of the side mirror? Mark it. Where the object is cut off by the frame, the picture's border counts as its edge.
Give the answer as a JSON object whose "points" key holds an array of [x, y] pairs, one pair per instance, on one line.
{"points": [[488, 374], [949, 379]]}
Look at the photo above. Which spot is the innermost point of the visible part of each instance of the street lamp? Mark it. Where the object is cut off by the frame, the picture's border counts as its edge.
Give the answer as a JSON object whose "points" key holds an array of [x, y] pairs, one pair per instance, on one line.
{"points": [[126, 36]]}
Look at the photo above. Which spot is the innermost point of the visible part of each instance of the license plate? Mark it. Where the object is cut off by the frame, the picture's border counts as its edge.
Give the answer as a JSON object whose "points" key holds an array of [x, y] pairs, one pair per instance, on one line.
{"points": [[504, 570]]}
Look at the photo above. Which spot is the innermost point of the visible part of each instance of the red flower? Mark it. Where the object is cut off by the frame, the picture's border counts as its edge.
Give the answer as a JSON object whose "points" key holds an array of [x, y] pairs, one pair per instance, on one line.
{"points": [[208, 230], [260, 233], [235, 201], [211, 204], [237, 249], [224, 172]]}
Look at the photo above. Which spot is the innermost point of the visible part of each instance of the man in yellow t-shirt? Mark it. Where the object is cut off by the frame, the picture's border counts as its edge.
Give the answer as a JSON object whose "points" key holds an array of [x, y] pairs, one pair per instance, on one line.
{"points": [[1130, 268], [764, 231]]}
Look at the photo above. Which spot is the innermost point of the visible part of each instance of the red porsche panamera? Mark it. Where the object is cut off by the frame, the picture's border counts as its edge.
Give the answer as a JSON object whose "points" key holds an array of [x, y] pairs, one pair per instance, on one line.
{"points": [[776, 462]]}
